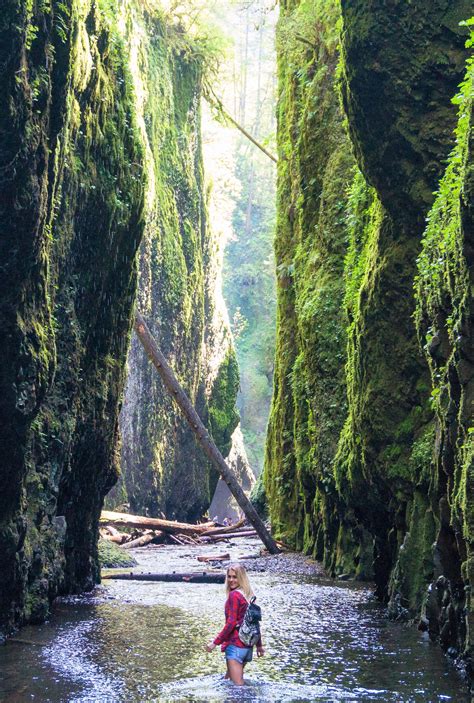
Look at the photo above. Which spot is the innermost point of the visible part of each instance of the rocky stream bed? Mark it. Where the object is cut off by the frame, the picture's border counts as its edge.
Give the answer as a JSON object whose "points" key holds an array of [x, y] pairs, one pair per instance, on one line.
{"points": [[132, 642]]}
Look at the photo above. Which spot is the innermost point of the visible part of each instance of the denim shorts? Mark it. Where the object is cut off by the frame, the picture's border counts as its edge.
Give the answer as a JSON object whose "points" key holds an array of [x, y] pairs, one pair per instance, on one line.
{"points": [[240, 654]]}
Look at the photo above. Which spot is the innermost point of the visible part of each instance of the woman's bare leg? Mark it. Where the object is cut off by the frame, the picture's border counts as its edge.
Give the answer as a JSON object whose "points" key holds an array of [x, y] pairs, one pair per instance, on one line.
{"points": [[227, 674], [236, 671]]}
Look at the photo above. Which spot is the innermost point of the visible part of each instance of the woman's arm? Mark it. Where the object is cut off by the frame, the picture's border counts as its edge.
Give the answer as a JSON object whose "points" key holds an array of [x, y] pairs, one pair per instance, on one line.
{"points": [[231, 620]]}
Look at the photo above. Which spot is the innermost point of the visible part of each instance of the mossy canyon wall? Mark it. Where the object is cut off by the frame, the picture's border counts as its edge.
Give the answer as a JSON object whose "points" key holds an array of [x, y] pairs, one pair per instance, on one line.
{"points": [[164, 471], [95, 89], [369, 451]]}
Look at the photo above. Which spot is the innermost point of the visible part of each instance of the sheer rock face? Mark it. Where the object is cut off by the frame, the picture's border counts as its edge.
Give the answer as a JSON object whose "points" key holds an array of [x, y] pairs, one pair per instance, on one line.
{"points": [[164, 469], [401, 67], [71, 218], [79, 179], [314, 174], [444, 316], [349, 471]]}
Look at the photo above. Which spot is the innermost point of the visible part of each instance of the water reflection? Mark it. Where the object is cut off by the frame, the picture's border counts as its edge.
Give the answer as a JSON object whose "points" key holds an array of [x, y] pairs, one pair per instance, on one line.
{"points": [[138, 642]]}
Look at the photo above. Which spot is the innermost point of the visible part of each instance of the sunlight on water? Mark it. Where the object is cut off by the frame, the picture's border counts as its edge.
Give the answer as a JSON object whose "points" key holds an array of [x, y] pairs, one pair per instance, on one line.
{"points": [[142, 641]]}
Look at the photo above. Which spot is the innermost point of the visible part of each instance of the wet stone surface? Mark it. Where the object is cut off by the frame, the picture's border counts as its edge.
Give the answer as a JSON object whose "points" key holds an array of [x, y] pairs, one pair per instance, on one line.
{"points": [[285, 563]]}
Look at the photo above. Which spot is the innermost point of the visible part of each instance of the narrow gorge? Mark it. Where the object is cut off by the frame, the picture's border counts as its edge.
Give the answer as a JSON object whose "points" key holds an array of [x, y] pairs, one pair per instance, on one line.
{"points": [[114, 197]]}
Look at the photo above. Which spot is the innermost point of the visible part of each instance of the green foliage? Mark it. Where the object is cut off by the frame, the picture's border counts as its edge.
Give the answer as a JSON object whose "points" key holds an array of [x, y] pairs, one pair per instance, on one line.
{"points": [[443, 276], [190, 30], [249, 290], [258, 498], [223, 416], [443, 290], [248, 275], [363, 215]]}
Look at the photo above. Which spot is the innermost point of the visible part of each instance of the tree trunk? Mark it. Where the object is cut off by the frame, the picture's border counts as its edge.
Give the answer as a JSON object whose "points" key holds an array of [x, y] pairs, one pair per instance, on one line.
{"points": [[108, 517], [237, 527], [171, 383], [214, 557], [194, 577], [143, 540]]}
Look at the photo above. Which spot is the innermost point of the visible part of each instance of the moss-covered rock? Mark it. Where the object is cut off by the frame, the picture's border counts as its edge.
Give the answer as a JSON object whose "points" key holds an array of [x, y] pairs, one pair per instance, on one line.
{"points": [[223, 416], [99, 143], [356, 473], [258, 498], [164, 470], [444, 318], [71, 219], [111, 556]]}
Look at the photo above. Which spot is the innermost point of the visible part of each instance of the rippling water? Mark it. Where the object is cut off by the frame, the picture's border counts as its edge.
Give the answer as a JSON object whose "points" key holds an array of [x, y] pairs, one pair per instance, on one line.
{"points": [[140, 641]]}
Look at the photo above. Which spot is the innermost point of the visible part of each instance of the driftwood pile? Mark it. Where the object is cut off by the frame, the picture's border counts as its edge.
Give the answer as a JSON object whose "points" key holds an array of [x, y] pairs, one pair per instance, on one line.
{"points": [[142, 531]]}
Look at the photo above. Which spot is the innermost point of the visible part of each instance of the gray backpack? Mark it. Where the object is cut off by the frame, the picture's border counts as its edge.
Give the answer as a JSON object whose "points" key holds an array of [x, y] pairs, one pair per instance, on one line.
{"points": [[249, 629]]}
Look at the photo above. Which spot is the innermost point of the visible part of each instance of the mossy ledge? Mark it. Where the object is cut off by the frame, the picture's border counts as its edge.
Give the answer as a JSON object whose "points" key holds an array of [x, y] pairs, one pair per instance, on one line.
{"points": [[358, 432]]}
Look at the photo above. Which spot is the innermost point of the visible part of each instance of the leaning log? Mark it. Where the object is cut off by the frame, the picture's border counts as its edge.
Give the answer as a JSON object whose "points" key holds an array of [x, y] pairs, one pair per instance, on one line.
{"points": [[196, 577], [171, 383], [187, 539], [177, 540], [108, 517]]}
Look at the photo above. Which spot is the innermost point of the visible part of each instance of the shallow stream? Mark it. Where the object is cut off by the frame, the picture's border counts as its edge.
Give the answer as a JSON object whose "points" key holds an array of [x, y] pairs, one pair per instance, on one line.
{"points": [[138, 642]]}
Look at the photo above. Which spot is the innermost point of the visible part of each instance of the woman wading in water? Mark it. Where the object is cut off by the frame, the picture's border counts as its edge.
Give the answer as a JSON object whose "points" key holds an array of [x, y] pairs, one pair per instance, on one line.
{"points": [[237, 654]]}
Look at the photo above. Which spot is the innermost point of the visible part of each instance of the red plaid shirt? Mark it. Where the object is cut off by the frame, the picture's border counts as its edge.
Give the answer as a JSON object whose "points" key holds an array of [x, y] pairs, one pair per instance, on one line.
{"points": [[235, 608]]}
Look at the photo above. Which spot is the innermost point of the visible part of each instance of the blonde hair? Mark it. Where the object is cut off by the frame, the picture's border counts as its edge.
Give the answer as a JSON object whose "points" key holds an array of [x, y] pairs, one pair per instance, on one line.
{"points": [[243, 583]]}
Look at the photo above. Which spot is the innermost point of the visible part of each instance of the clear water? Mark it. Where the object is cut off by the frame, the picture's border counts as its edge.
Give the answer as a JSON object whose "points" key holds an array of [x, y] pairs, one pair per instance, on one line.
{"points": [[134, 642]]}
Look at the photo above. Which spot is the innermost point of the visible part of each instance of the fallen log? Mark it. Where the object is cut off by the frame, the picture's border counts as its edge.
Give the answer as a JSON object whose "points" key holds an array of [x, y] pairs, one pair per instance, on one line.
{"points": [[113, 531], [215, 557], [187, 539], [108, 517], [195, 577], [143, 540], [230, 535], [223, 530], [114, 539], [110, 534], [17, 640], [210, 449]]}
